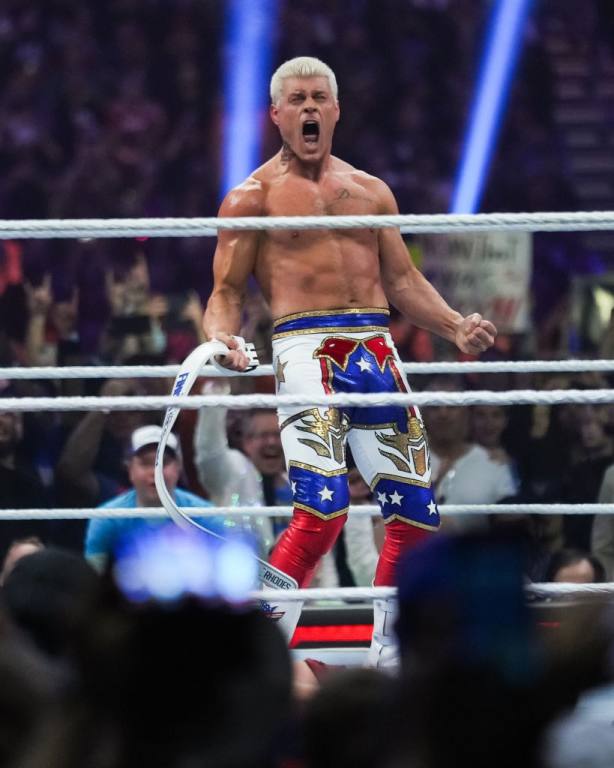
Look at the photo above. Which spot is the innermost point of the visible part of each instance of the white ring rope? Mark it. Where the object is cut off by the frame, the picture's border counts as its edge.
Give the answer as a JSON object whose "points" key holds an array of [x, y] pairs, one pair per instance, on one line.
{"points": [[210, 371], [364, 510], [147, 227], [209, 226], [546, 589], [554, 589], [269, 576], [323, 593], [245, 402]]}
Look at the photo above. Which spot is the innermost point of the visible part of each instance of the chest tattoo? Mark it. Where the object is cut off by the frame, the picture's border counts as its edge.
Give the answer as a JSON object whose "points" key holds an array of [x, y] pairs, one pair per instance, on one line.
{"points": [[345, 194]]}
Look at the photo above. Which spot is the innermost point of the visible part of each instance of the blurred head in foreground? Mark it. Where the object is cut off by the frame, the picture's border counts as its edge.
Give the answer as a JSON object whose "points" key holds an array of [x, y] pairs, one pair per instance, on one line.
{"points": [[48, 594], [174, 671], [462, 601], [469, 655], [573, 566]]}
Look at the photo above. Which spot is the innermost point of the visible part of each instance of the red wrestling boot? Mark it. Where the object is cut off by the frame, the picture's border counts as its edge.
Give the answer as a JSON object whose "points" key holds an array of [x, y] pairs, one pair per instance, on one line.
{"points": [[399, 537], [304, 542]]}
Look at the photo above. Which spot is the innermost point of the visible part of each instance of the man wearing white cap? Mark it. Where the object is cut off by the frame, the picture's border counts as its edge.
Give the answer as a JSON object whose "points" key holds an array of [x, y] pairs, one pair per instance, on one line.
{"points": [[102, 534]]}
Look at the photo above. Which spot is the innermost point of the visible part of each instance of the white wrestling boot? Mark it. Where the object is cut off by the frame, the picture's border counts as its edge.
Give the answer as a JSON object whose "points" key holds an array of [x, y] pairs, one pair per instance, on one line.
{"points": [[384, 651]]}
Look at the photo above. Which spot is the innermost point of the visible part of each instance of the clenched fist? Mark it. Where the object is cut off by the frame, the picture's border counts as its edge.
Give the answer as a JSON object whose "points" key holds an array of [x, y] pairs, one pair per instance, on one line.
{"points": [[474, 334]]}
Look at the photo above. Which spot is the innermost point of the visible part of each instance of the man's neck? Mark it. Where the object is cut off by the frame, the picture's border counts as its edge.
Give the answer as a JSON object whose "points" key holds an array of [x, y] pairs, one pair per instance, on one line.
{"points": [[312, 170]]}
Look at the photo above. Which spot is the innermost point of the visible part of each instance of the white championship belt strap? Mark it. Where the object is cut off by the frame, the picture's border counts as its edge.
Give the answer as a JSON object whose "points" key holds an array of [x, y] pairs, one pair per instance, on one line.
{"points": [[286, 614]]}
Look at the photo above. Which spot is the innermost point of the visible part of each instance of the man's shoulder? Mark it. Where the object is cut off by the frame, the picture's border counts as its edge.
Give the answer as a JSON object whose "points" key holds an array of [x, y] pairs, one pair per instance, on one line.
{"points": [[357, 174], [246, 199], [371, 184], [187, 499]]}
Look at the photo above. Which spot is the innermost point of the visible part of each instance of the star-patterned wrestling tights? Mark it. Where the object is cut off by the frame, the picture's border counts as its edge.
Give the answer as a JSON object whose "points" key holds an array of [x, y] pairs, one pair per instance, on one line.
{"points": [[348, 351]]}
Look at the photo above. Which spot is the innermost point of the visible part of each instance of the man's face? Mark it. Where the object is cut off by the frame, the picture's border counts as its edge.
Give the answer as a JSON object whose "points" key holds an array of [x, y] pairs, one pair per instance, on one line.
{"points": [[488, 423], [141, 474], [262, 443], [446, 425], [306, 115]]}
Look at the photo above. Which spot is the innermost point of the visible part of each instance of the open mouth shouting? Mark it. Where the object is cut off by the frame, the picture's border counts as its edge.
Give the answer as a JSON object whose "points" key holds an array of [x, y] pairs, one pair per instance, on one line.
{"points": [[311, 132]]}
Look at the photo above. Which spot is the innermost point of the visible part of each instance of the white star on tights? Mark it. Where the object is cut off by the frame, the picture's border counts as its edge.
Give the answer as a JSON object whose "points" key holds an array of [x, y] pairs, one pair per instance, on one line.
{"points": [[382, 498], [363, 364], [326, 494], [432, 508], [293, 486], [395, 498]]}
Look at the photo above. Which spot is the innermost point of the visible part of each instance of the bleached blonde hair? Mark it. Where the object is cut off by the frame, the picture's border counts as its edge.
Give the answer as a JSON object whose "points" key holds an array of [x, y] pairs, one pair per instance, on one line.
{"points": [[301, 66]]}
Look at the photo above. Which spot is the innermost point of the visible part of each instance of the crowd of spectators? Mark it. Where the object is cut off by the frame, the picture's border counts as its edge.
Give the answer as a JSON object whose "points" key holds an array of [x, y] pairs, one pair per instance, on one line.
{"points": [[95, 672], [115, 109], [112, 110]]}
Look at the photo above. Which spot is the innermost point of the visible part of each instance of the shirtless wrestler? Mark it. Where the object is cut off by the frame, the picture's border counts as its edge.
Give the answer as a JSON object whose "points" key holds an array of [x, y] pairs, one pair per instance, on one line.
{"points": [[329, 292]]}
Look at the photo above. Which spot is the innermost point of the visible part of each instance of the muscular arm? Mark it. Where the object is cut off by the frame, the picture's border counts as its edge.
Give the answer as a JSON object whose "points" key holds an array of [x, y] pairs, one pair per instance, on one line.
{"points": [[234, 261], [411, 293]]}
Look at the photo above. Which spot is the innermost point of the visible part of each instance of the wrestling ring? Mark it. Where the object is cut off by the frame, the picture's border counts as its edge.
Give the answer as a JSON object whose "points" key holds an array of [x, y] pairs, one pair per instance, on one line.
{"points": [[199, 363]]}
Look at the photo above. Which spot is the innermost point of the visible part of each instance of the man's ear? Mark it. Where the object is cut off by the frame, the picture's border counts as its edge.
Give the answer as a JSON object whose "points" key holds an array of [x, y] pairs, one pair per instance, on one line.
{"points": [[274, 113]]}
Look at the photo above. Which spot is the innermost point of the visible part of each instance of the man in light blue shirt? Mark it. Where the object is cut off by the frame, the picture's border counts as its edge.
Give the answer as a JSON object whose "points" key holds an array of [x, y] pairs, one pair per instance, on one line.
{"points": [[102, 534]]}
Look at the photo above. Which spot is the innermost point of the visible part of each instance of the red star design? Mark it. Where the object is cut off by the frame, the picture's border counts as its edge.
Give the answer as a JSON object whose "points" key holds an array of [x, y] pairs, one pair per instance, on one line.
{"points": [[377, 346], [338, 349]]}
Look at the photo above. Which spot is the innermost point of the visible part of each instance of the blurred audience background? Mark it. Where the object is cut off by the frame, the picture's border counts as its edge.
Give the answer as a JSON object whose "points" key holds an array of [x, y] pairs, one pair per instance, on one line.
{"points": [[118, 109]]}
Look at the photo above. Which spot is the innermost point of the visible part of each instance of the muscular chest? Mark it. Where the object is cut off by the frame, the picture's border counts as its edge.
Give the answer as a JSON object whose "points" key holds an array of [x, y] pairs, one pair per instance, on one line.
{"points": [[306, 198]]}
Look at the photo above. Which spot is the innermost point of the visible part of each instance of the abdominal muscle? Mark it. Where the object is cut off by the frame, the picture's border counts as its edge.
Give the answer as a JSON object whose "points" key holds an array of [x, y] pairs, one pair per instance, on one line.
{"points": [[331, 270]]}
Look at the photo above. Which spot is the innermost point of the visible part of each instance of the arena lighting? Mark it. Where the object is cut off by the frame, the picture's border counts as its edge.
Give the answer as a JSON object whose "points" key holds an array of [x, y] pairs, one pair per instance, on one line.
{"points": [[249, 33], [501, 51]]}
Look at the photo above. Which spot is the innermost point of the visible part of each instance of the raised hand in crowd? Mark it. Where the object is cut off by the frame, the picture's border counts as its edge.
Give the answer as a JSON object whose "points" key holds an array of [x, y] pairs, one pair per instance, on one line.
{"points": [[157, 307], [129, 295], [90, 466], [193, 311], [135, 314], [65, 314], [39, 299]]}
